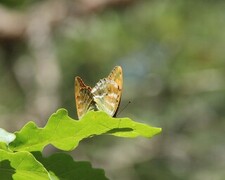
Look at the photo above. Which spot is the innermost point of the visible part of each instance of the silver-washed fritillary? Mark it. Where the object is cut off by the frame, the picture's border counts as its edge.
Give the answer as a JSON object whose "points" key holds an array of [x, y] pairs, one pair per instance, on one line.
{"points": [[105, 96]]}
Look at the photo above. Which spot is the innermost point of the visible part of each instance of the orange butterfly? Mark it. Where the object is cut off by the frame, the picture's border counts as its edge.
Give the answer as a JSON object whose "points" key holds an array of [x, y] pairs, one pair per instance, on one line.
{"points": [[105, 96]]}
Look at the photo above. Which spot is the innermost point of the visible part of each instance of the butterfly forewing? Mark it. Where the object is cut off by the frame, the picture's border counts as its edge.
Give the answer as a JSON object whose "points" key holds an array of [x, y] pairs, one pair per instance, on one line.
{"points": [[107, 92], [83, 97]]}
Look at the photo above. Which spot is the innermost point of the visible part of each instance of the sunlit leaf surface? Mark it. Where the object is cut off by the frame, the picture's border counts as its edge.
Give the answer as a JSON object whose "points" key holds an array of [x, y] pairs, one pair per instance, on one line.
{"points": [[65, 133]]}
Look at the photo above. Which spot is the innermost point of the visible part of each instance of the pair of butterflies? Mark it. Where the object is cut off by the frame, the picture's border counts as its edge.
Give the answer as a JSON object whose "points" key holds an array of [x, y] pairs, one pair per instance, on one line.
{"points": [[105, 96]]}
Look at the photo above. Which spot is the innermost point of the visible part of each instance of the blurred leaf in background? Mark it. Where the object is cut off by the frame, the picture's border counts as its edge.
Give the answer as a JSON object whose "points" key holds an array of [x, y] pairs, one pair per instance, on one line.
{"points": [[172, 54]]}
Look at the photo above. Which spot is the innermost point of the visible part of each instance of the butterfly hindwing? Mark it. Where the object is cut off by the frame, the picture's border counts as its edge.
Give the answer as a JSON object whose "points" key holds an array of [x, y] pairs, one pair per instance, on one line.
{"points": [[107, 92]]}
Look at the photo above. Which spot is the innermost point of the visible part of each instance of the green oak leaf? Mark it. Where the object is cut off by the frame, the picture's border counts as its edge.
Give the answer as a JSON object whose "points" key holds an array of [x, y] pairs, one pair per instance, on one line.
{"points": [[65, 133], [64, 167], [22, 166]]}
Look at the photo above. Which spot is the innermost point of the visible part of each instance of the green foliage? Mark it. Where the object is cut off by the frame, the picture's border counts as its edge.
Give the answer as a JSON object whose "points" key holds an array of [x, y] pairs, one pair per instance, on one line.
{"points": [[23, 165], [17, 4], [22, 158], [65, 167]]}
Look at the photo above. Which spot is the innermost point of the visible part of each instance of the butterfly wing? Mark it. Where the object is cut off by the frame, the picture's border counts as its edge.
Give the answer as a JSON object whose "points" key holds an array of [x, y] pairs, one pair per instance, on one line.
{"points": [[83, 97], [107, 92]]}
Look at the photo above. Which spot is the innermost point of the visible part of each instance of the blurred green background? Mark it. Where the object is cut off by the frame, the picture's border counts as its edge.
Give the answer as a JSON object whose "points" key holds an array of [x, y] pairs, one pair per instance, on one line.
{"points": [[173, 58]]}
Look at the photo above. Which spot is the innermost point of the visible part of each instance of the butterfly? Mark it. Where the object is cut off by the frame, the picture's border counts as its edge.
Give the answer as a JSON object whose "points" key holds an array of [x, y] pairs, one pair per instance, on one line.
{"points": [[104, 96]]}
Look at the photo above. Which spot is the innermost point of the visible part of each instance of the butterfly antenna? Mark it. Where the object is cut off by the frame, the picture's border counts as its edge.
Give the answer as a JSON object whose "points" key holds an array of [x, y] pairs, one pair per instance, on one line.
{"points": [[124, 108]]}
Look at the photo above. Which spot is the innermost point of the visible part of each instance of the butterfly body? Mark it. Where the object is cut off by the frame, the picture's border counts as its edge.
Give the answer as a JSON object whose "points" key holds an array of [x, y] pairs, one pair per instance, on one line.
{"points": [[105, 96]]}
